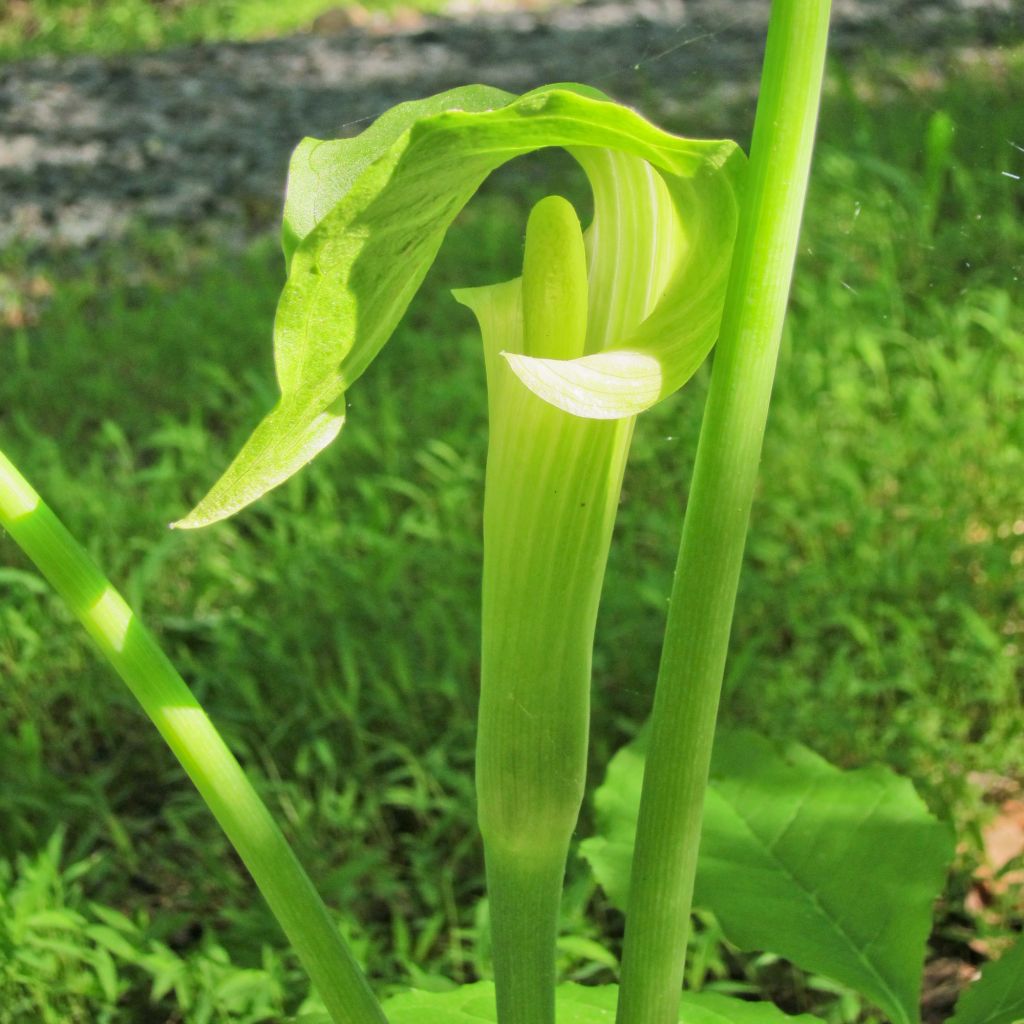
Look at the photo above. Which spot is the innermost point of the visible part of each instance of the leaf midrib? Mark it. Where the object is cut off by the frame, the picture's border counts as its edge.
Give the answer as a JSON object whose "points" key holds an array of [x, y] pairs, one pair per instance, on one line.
{"points": [[769, 850]]}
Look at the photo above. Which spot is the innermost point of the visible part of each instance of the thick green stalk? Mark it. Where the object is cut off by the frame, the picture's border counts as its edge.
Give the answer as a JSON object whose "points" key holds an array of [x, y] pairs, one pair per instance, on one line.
{"points": [[135, 656], [550, 498], [717, 515], [546, 538]]}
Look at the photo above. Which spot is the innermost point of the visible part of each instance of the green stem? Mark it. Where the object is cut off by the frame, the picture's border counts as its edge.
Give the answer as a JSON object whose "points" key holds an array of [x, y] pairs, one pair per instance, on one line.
{"points": [[525, 895], [717, 515], [135, 656]]}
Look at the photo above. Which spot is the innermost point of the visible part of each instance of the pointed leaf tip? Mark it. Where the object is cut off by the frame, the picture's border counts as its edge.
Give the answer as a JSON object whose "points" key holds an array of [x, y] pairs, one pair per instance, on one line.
{"points": [[279, 447]]}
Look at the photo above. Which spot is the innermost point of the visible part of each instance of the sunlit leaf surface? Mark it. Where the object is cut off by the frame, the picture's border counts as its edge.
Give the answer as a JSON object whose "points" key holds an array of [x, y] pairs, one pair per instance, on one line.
{"points": [[836, 871]]}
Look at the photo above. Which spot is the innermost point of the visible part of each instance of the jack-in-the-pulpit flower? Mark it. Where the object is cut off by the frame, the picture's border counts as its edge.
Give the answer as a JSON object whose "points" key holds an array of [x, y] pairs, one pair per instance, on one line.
{"points": [[836, 871], [601, 325], [364, 218]]}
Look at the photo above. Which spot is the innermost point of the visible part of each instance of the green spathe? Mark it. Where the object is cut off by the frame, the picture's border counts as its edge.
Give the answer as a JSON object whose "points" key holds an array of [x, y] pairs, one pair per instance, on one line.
{"points": [[551, 494], [837, 871], [365, 219]]}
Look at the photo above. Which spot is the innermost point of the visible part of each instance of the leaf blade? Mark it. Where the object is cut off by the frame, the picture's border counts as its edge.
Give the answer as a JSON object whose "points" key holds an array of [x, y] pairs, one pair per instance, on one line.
{"points": [[786, 838], [998, 996], [576, 1004]]}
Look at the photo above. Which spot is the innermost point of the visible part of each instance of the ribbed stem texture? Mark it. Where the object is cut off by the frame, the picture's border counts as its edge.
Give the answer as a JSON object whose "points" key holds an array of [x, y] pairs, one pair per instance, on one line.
{"points": [[524, 893], [550, 498], [717, 515]]}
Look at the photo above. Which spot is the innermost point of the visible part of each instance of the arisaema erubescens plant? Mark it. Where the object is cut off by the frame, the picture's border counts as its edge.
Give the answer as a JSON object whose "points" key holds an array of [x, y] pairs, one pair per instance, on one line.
{"points": [[687, 244], [595, 330]]}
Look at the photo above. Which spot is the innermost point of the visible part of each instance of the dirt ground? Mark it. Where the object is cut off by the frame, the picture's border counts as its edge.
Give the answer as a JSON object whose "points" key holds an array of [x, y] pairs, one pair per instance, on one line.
{"points": [[90, 145]]}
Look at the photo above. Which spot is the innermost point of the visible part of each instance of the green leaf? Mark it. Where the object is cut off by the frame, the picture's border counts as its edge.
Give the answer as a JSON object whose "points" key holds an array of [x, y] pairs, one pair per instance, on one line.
{"points": [[460, 1006], [576, 1004], [365, 217], [106, 974], [998, 997], [112, 940], [836, 871]]}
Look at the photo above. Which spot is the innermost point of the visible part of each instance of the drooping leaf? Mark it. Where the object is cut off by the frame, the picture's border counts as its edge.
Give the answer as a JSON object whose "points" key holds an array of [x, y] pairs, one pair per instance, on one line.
{"points": [[836, 871], [321, 172], [575, 1004], [998, 996], [365, 218]]}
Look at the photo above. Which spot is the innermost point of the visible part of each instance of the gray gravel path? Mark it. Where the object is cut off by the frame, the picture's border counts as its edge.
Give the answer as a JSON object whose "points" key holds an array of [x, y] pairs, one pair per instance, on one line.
{"points": [[88, 145]]}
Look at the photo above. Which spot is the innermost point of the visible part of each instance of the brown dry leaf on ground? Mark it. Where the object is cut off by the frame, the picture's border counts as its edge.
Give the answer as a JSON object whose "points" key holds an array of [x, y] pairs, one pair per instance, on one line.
{"points": [[23, 298], [944, 980], [997, 888]]}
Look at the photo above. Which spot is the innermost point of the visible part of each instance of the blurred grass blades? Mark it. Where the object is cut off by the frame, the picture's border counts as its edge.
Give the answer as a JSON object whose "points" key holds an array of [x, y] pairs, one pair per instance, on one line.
{"points": [[115, 26], [190, 734]]}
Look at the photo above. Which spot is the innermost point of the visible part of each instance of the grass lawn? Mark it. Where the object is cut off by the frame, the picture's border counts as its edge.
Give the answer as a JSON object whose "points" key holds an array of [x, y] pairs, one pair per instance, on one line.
{"points": [[332, 630], [31, 28]]}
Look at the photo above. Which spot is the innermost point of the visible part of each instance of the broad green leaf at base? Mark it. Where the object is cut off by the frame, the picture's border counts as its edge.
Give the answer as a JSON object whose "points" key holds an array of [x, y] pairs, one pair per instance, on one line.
{"points": [[998, 997], [576, 1004], [836, 871]]}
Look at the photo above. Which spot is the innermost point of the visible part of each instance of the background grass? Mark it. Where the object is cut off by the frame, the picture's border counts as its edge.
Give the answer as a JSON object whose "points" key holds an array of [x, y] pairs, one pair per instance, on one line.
{"points": [[31, 28], [332, 630]]}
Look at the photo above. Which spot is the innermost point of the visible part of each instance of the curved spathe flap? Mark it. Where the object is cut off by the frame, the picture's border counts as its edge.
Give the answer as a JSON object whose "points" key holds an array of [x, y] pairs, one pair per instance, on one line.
{"points": [[603, 386], [659, 250], [355, 266], [321, 172]]}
